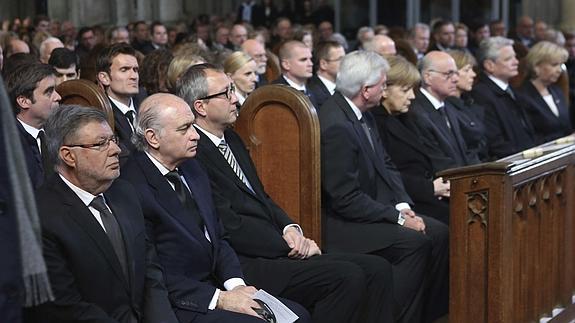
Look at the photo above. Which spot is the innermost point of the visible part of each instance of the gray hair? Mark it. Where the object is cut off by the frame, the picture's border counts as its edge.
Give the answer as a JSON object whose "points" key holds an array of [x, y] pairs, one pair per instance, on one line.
{"points": [[147, 119], [193, 84], [358, 69], [417, 26], [489, 48], [63, 124]]}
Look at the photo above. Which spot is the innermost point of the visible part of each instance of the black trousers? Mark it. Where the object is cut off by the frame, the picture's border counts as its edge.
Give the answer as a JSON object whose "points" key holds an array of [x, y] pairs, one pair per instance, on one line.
{"points": [[336, 287], [420, 272]]}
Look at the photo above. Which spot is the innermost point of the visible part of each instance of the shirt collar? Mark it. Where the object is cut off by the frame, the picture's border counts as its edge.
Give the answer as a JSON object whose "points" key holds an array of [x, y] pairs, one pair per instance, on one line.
{"points": [[215, 139], [328, 84], [501, 84], [292, 84], [86, 197], [354, 108], [158, 165], [123, 108], [29, 129], [241, 98], [434, 101]]}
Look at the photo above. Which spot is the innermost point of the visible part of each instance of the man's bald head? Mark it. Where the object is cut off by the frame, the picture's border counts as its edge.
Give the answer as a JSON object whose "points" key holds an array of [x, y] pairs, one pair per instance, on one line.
{"points": [[257, 51], [381, 44]]}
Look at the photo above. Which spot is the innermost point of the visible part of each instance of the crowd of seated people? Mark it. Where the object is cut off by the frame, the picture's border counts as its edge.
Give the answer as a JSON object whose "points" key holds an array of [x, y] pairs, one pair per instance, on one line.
{"points": [[162, 217]]}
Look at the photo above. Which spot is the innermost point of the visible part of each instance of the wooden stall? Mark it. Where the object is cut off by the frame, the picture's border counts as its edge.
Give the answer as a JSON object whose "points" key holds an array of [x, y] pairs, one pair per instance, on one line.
{"points": [[512, 248]]}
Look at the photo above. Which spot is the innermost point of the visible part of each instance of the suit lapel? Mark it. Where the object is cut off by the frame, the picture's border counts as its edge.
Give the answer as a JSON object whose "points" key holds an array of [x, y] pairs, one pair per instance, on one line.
{"points": [[212, 152], [167, 198], [81, 215], [362, 138]]}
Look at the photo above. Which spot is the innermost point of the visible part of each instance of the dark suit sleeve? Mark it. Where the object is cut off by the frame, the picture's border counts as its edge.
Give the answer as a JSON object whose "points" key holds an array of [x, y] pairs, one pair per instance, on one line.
{"points": [[341, 182], [247, 233], [69, 305], [497, 141]]}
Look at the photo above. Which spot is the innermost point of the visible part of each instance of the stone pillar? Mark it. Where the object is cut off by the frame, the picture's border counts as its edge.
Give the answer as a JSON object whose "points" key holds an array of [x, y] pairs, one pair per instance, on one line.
{"points": [[169, 11]]}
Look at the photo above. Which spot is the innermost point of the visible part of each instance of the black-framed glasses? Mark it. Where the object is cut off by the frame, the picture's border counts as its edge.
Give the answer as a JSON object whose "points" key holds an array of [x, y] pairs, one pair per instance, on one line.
{"points": [[448, 74], [102, 145], [227, 93]]}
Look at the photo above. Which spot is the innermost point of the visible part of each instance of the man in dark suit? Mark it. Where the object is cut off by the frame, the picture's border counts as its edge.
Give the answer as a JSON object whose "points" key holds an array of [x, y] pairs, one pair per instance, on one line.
{"points": [[296, 67], [443, 33], [202, 271], [508, 127], [281, 260], [117, 69], [437, 118], [31, 88], [367, 208], [257, 51], [100, 264], [328, 57]]}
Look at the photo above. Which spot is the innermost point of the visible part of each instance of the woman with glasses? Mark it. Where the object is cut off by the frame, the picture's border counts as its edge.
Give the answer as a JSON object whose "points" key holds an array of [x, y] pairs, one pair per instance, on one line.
{"points": [[241, 68], [470, 114], [548, 108], [414, 158]]}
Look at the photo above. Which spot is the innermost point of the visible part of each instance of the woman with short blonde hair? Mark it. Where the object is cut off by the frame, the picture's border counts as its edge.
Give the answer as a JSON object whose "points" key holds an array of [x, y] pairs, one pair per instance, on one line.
{"points": [[546, 104]]}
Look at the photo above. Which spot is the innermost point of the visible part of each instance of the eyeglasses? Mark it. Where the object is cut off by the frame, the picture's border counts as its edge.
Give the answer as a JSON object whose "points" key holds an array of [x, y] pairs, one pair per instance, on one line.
{"points": [[227, 93], [447, 75], [102, 145]]}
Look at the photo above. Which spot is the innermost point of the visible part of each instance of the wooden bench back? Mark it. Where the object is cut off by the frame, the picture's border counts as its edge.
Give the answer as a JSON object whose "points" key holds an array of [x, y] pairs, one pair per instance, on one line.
{"points": [[281, 130]]}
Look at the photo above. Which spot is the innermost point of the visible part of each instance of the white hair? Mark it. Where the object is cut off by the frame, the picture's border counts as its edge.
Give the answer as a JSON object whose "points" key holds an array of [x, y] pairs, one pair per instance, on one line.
{"points": [[358, 69]]}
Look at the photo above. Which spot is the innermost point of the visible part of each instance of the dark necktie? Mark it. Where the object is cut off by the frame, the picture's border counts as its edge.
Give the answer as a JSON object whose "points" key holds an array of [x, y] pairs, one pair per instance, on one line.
{"points": [[224, 149], [131, 115], [44, 154], [185, 197], [365, 128], [112, 230], [441, 111], [510, 92]]}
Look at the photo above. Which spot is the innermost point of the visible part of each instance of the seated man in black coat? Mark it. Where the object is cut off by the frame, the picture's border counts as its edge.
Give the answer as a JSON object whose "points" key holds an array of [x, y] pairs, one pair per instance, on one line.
{"points": [[367, 208], [100, 264], [32, 91], [335, 287], [328, 56], [296, 67], [508, 127], [203, 275]]}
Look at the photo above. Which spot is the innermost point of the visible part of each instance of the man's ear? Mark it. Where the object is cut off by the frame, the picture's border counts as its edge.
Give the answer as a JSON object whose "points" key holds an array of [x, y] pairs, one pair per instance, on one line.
{"points": [[152, 138], [104, 78], [284, 63], [323, 64], [24, 102], [65, 154], [489, 66], [200, 108]]}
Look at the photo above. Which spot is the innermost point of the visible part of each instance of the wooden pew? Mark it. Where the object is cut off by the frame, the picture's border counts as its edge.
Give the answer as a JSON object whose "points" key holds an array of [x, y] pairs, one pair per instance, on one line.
{"points": [[512, 248], [281, 130], [85, 93]]}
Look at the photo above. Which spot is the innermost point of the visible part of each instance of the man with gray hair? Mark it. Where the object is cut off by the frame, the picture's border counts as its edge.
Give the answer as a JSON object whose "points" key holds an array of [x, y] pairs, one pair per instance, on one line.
{"points": [[257, 51], [202, 271], [334, 287], [367, 208], [381, 44], [508, 127], [419, 39], [100, 263], [47, 46]]}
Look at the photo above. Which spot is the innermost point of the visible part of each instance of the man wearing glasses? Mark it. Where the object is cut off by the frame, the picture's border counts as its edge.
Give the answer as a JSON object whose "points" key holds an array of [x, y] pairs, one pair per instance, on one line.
{"points": [[328, 58], [436, 118], [273, 250], [100, 263]]}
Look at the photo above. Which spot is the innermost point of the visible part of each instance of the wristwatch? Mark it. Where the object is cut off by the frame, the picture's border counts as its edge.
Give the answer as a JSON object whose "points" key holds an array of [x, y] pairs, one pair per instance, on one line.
{"points": [[400, 219]]}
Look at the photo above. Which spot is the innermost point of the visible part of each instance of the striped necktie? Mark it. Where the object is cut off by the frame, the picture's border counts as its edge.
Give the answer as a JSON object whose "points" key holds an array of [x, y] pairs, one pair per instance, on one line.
{"points": [[224, 149]]}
